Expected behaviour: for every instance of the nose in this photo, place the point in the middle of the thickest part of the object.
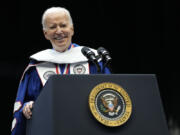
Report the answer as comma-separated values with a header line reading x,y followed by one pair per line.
x,y
58,30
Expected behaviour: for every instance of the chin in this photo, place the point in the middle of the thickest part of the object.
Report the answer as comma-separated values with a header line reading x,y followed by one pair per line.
x,y
62,44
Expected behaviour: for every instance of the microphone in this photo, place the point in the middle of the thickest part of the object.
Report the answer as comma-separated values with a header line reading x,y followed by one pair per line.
x,y
91,57
104,54
105,57
88,53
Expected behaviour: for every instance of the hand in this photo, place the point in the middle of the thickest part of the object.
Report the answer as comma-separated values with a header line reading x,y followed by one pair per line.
x,y
27,110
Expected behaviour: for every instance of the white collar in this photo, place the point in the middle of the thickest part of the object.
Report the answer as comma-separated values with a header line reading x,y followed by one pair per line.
x,y
73,55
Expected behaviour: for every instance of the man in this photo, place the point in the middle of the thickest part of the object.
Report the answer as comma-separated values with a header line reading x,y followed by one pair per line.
x,y
64,58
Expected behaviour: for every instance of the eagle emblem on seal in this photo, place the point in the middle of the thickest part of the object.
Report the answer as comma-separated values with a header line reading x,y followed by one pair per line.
x,y
110,104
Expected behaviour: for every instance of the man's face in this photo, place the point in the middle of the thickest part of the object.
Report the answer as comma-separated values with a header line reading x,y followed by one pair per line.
x,y
59,31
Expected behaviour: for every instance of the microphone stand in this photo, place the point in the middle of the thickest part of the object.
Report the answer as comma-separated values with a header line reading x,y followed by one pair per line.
x,y
107,64
98,67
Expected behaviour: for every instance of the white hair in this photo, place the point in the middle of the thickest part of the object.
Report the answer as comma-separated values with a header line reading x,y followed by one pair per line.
x,y
55,10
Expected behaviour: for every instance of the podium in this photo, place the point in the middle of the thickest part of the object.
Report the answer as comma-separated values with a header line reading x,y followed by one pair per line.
x,y
62,107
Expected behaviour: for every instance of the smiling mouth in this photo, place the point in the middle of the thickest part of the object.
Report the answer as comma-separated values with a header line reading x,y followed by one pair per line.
x,y
59,38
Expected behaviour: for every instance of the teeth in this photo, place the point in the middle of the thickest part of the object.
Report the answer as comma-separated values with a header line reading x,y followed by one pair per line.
x,y
59,38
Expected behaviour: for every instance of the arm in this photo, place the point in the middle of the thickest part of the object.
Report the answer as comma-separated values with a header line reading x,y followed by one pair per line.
x,y
29,89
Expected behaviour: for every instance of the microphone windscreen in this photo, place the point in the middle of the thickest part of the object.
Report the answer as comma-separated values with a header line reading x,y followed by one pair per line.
x,y
87,52
102,51
84,50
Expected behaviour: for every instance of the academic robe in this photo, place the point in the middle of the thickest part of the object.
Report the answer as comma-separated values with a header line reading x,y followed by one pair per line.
x,y
31,85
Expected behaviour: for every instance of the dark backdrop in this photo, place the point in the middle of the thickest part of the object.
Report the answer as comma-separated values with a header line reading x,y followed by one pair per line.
x,y
142,37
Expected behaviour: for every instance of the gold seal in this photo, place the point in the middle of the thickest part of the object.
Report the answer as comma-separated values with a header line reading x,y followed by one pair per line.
x,y
110,104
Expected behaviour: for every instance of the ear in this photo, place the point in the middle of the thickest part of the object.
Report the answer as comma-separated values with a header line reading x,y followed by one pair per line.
x,y
72,29
45,34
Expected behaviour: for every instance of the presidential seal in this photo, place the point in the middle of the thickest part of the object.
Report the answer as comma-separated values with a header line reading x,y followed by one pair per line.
x,y
110,104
